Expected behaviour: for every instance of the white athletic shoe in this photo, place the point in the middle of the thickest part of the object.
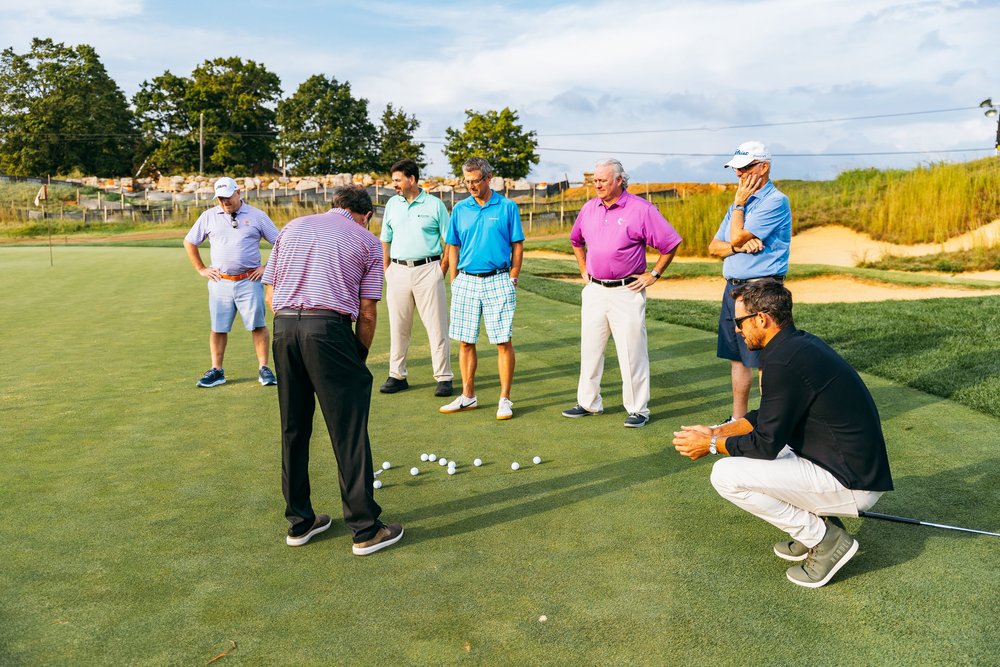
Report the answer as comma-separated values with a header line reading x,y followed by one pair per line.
x,y
505,410
459,404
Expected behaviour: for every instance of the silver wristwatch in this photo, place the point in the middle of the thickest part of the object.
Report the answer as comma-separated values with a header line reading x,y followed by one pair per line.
x,y
712,449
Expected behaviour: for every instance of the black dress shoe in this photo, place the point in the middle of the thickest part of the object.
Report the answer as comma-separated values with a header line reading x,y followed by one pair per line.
x,y
444,388
392,385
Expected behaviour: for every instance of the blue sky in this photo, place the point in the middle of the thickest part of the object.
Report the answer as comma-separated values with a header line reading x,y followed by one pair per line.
x,y
651,83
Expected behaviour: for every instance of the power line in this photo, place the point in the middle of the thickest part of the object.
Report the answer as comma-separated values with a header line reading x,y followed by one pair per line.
x,y
753,125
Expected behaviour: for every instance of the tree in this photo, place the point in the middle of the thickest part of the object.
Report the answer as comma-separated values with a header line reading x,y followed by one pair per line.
x,y
325,130
60,112
395,139
496,136
237,99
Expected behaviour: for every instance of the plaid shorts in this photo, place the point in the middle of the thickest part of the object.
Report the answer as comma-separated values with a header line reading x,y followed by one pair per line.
x,y
492,297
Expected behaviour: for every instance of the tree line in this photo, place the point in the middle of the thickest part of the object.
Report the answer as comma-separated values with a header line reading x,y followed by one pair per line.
x,y
61,113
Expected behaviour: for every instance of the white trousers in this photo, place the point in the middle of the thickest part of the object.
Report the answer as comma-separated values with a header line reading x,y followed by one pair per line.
x,y
422,287
790,493
621,313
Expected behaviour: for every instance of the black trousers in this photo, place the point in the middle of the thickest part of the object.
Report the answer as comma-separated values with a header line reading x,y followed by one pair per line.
x,y
320,357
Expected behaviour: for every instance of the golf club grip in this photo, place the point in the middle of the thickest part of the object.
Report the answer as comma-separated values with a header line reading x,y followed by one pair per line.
x,y
889,517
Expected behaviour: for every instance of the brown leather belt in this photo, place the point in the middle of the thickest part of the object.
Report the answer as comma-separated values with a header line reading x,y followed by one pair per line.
x,y
242,276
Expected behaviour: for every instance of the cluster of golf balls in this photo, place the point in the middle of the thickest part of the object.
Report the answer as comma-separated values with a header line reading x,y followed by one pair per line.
x,y
451,465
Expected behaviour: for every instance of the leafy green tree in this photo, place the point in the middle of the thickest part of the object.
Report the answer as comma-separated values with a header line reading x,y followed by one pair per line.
x,y
326,130
238,101
395,139
60,112
496,136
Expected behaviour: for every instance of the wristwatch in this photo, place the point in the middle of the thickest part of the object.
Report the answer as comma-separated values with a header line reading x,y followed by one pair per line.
x,y
712,449
655,274
739,207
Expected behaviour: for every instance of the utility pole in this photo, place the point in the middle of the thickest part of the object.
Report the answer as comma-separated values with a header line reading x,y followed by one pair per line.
x,y
201,144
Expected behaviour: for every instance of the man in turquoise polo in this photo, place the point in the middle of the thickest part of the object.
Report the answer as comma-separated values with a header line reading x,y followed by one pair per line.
x,y
415,262
753,241
486,244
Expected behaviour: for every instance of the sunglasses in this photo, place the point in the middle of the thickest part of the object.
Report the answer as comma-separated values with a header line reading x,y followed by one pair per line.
x,y
740,320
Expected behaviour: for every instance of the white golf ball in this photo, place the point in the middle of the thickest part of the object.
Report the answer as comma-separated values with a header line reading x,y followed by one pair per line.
x,y
432,457
386,466
377,484
414,471
536,460
442,461
424,457
477,462
515,465
452,464
451,471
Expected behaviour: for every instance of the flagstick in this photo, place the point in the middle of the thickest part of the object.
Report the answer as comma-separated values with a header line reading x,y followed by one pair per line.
x,y
51,262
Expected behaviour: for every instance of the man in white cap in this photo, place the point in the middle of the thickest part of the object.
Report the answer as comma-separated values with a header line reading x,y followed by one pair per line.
x,y
234,229
753,242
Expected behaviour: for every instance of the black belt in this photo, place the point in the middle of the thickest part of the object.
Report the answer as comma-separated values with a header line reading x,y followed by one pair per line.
x,y
417,262
486,275
299,314
744,281
614,283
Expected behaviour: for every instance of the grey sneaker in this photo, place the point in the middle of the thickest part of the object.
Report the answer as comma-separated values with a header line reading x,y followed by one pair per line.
x,y
266,377
794,550
385,537
321,523
825,559
578,411
791,550
635,420
213,377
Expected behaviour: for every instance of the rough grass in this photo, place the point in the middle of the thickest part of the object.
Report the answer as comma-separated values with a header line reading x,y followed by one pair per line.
x,y
142,518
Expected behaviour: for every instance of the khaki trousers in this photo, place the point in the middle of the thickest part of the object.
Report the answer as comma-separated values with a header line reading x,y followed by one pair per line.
x,y
621,313
421,287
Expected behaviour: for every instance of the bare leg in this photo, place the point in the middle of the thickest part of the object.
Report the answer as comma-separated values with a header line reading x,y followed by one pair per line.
x,y
217,345
742,376
261,341
468,361
505,365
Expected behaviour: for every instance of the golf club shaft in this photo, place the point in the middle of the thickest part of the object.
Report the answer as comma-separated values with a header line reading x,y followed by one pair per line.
x,y
903,519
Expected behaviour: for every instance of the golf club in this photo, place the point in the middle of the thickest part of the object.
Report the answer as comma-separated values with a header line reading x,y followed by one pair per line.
x,y
903,519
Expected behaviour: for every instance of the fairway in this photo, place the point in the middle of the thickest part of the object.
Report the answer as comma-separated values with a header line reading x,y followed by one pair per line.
x,y
142,518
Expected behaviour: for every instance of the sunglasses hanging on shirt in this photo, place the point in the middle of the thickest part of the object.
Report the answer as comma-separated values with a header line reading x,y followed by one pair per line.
x,y
233,214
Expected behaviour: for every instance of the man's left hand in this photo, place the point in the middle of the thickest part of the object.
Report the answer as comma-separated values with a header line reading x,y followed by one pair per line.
x,y
692,441
256,274
642,281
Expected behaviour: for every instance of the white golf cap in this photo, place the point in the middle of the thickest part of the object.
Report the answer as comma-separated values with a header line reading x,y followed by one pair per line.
x,y
225,187
749,151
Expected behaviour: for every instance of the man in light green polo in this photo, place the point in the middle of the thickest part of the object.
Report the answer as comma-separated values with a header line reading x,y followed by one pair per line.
x,y
416,261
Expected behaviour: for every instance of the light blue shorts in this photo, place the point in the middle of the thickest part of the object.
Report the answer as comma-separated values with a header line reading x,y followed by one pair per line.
x,y
225,297
493,298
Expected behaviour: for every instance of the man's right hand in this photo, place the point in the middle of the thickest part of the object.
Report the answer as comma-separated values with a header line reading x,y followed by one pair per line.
x,y
751,247
211,273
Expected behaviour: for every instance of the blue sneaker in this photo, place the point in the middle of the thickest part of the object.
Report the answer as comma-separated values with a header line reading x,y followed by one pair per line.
x,y
213,377
266,377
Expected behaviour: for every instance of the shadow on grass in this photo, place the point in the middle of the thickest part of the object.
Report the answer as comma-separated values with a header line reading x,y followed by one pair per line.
x,y
950,497
553,493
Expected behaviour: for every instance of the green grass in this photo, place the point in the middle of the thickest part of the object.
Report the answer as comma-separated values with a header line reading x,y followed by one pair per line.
x,y
142,518
977,259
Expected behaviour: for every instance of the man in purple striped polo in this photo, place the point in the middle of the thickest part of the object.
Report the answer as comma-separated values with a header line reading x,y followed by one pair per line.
x,y
234,230
325,273
609,240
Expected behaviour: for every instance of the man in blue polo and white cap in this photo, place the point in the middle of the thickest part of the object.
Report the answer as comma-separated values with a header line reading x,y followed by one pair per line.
x,y
234,230
753,241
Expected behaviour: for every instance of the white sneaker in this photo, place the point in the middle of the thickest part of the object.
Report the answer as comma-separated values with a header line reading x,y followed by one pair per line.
x,y
505,410
459,404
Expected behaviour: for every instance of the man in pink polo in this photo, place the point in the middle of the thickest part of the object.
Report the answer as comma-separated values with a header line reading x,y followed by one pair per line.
x,y
609,240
